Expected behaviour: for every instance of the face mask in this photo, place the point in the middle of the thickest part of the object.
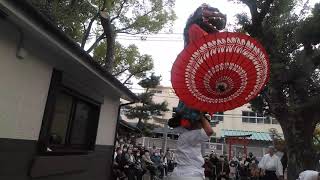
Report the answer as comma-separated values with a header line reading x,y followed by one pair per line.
x,y
138,154
124,150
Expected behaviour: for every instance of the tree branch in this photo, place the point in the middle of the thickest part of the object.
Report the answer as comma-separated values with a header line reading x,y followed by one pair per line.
x,y
87,32
122,71
102,36
108,30
128,78
131,75
252,6
265,9
119,11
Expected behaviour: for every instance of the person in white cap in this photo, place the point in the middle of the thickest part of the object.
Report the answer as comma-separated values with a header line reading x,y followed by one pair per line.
x,y
271,166
309,175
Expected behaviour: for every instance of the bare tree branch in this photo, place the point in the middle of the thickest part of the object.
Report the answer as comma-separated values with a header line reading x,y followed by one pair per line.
x,y
265,9
119,11
108,30
87,32
131,75
128,78
120,72
102,36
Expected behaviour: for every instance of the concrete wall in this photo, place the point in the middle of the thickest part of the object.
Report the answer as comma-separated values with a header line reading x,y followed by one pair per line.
x,y
23,90
108,121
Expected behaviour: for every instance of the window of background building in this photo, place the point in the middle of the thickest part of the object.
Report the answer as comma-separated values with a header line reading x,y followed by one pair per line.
x,y
274,121
249,117
267,120
252,117
260,118
218,116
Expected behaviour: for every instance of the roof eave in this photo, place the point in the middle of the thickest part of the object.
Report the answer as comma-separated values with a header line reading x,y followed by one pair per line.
x,y
28,14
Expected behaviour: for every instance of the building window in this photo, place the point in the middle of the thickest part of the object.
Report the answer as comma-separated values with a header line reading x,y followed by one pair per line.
x,y
252,117
249,117
218,116
274,121
267,120
70,121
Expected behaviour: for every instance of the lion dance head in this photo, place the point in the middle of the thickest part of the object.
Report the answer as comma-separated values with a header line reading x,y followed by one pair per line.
x,y
208,18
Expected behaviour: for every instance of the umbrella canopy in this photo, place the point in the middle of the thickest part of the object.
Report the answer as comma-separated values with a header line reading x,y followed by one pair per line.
x,y
220,71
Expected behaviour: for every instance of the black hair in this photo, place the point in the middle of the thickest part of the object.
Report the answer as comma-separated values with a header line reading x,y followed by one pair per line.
x,y
175,121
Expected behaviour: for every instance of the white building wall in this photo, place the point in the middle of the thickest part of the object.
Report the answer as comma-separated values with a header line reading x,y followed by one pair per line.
x,y
108,120
23,90
232,119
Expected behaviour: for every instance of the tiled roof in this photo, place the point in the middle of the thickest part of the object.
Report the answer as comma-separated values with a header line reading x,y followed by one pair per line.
x,y
259,136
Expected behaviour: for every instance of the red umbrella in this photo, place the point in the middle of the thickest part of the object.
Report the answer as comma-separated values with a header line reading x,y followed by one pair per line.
x,y
220,71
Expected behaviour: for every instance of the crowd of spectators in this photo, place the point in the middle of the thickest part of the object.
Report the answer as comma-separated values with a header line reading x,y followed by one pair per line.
x,y
132,162
218,167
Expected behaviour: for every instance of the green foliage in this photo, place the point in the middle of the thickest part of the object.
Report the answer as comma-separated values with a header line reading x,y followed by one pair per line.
x,y
150,82
293,69
292,95
69,15
147,107
316,138
81,20
128,61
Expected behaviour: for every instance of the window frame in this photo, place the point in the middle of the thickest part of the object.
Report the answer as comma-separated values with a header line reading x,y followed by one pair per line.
x,y
55,88
246,116
218,116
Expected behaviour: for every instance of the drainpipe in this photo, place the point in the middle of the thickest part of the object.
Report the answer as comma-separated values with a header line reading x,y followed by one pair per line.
x,y
115,134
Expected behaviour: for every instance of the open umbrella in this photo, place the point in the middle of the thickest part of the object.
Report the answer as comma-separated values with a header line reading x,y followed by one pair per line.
x,y
220,71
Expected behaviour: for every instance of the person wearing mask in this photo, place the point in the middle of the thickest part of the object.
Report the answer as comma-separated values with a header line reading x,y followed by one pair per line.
x,y
271,166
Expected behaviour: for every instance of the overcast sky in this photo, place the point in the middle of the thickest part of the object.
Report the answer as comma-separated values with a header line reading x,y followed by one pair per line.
x,y
164,48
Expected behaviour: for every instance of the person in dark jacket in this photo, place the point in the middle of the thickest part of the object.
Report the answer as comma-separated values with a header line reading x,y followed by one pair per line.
x,y
156,159
139,171
284,161
223,168
129,165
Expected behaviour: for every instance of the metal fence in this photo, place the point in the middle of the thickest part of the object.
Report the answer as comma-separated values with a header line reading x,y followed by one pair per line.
x,y
208,147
